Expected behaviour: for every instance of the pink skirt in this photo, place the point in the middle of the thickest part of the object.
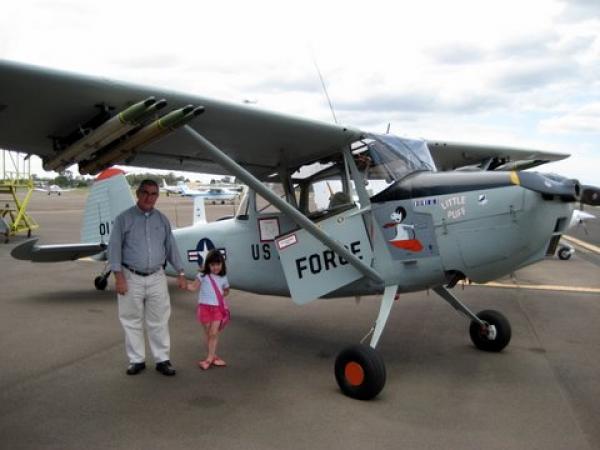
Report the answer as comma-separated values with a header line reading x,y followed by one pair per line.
x,y
208,313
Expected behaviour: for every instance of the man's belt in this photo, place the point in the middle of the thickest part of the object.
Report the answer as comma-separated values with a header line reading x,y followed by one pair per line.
x,y
137,272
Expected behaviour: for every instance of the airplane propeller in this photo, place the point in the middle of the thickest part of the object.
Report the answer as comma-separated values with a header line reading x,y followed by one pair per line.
x,y
590,195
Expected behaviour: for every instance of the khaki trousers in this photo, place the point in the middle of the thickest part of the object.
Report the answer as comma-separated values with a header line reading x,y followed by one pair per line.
x,y
147,300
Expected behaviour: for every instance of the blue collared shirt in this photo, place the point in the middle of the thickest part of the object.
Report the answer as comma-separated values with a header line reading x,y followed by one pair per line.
x,y
143,241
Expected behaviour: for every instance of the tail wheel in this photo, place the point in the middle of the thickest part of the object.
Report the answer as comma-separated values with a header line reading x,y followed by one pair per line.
x,y
496,333
360,372
100,282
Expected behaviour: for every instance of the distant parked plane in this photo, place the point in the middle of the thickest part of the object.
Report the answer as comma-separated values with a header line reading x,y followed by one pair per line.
x,y
212,195
178,189
53,189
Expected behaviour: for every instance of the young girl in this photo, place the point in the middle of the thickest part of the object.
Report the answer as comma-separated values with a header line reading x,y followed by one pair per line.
x,y
213,283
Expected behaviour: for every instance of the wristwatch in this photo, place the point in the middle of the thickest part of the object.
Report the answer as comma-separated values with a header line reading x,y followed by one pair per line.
x,y
182,273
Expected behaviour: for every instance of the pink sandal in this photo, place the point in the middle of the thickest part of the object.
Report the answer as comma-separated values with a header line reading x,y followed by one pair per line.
x,y
218,362
205,364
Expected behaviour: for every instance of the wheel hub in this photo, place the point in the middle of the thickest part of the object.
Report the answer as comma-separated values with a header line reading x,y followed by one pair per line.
x,y
489,331
354,373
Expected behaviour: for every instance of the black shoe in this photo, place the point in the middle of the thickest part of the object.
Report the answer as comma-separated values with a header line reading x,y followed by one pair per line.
x,y
165,368
135,368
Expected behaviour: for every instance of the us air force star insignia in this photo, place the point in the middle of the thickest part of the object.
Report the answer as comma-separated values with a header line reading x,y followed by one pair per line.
x,y
204,246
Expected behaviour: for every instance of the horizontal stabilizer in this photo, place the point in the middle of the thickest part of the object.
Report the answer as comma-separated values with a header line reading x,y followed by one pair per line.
x,y
30,251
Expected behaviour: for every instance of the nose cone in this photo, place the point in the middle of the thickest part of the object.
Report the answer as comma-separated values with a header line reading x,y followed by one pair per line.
x,y
590,195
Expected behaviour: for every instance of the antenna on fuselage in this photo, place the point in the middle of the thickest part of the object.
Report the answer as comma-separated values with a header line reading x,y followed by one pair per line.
x,y
314,58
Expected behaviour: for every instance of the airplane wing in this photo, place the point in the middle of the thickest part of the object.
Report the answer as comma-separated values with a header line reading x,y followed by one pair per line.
x,y
40,106
31,251
453,155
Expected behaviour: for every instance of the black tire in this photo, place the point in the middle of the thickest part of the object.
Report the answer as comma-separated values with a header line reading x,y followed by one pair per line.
x,y
100,282
564,253
360,372
479,334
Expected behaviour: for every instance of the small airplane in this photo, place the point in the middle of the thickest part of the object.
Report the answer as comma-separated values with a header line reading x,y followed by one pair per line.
x,y
52,189
212,195
176,190
406,218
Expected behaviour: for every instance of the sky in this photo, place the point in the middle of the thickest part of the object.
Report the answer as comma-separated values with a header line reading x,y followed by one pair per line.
x,y
513,73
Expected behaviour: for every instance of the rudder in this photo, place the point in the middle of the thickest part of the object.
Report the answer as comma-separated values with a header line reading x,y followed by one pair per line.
x,y
110,195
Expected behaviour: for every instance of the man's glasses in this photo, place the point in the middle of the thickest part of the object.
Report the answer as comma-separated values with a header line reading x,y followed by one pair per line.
x,y
148,193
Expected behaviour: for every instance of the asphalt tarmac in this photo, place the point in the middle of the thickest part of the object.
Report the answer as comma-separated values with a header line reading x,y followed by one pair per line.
x,y
63,382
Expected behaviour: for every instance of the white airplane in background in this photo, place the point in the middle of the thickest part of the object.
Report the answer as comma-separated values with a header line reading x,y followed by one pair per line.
x,y
52,189
232,187
177,189
211,195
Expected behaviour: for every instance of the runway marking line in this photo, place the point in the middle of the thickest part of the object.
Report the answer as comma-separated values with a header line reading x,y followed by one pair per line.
x,y
581,243
541,287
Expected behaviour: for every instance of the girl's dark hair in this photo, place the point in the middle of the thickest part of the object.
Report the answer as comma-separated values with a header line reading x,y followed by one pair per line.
x,y
214,256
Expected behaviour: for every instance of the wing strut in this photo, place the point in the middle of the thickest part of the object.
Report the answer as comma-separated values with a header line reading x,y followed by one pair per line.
x,y
300,219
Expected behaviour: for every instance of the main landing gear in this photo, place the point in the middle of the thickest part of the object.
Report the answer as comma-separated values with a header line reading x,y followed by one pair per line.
x,y
360,370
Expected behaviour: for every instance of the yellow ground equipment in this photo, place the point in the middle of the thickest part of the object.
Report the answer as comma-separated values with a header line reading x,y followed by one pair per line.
x,y
16,175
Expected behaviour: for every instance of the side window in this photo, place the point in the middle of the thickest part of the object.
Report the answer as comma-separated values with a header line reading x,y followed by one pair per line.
x,y
327,194
265,207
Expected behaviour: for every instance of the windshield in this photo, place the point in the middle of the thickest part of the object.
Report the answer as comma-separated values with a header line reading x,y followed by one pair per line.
x,y
390,158
385,159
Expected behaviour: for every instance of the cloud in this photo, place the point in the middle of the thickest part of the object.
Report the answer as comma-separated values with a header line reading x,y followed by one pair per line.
x,y
575,45
286,83
584,120
458,53
579,10
161,61
424,102
536,75
533,45
385,102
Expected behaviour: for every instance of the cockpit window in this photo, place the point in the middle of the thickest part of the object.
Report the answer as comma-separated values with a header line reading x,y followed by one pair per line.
x,y
384,159
263,206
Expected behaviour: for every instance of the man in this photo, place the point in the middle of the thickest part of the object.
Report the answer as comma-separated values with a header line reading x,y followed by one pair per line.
x,y
141,242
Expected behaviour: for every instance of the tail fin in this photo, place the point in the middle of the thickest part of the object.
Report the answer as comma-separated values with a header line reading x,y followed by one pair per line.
x,y
199,210
183,189
110,195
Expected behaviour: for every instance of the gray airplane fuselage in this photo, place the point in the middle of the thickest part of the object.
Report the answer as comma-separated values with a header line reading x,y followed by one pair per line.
x,y
481,230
